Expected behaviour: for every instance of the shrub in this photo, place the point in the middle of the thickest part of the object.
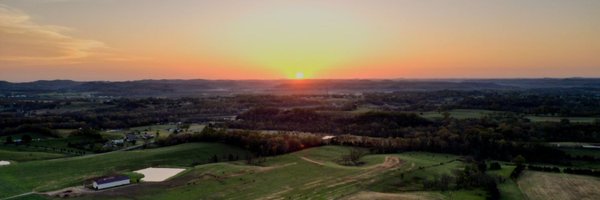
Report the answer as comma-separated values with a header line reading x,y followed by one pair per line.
x,y
495,166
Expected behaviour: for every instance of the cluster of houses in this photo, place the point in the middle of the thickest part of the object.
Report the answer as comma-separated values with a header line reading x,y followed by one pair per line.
x,y
130,138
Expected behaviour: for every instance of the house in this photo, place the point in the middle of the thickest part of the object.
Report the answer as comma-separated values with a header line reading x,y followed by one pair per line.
x,y
130,137
328,137
148,136
117,142
114,143
110,181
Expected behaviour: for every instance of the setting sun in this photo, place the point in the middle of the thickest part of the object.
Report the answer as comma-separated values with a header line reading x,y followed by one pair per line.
x,y
299,75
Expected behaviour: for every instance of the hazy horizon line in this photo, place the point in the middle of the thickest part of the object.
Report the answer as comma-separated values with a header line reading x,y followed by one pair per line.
x,y
309,79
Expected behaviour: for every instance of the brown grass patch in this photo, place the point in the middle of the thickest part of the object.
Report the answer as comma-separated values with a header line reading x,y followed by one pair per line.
x,y
547,186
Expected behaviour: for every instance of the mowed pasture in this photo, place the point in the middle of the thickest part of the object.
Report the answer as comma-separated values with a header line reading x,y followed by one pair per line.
x,y
22,156
55,174
308,174
548,186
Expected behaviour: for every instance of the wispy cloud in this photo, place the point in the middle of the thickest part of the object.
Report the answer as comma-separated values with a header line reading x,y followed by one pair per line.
x,y
24,41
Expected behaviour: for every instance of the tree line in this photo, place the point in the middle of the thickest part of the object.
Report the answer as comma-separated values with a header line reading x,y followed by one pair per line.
x,y
262,144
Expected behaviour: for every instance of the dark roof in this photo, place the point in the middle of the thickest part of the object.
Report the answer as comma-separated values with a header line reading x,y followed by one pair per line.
x,y
131,136
110,179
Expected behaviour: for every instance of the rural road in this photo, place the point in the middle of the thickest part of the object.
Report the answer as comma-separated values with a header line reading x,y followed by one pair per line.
x,y
20,195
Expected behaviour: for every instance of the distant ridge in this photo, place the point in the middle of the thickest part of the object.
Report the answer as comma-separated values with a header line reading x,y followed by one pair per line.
x,y
174,87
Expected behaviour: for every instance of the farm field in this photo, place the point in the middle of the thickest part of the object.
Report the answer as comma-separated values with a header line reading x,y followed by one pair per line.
x,y
74,107
582,152
44,143
575,149
558,119
476,113
44,175
547,186
459,114
312,173
21,156
509,188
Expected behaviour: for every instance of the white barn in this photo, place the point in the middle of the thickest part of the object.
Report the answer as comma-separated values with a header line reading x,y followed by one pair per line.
x,y
111,181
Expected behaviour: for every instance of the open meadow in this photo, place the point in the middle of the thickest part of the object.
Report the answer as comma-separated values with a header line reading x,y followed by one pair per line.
x,y
311,173
46,175
20,156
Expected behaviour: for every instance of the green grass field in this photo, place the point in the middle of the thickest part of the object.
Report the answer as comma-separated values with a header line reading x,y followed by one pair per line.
x,y
582,152
476,113
575,149
43,143
22,156
509,189
557,119
60,173
74,107
418,166
459,114
312,173
34,136
309,174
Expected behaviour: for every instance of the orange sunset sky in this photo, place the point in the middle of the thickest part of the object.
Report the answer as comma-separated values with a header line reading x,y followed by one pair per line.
x,y
262,39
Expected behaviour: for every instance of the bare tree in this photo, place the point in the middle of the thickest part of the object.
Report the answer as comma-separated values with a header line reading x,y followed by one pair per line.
x,y
353,157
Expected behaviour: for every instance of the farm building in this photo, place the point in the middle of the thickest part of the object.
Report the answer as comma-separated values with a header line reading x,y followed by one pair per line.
x,y
130,137
590,147
111,181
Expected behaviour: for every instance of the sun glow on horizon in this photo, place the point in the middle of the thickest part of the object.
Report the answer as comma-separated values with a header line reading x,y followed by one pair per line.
x,y
299,75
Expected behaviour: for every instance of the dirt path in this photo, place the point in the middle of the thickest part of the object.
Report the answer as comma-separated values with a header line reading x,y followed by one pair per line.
x,y
268,168
19,195
340,183
276,195
389,163
69,192
312,161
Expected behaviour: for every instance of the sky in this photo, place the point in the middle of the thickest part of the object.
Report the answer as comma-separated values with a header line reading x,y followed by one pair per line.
x,y
320,39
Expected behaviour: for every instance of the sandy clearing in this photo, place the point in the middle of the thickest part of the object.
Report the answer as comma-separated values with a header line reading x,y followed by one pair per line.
x,y
4,162
152,174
